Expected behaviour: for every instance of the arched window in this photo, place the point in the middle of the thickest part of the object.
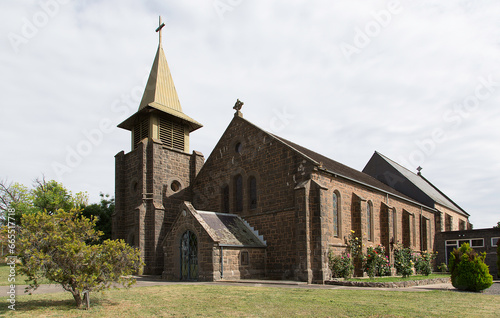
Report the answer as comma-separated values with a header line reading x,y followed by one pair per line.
x,y
335,207
238,193
252,193
394,225
131,239
369,221
225,198
189,256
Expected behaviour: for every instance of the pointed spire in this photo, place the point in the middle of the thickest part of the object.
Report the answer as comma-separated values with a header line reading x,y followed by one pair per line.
x,y
160,93
160,89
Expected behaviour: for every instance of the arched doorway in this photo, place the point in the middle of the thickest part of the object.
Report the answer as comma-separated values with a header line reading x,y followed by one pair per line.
x,y
189,256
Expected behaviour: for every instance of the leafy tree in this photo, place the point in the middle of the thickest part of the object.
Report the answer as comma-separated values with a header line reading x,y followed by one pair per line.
x,y
497,226
102,212
468,270
15,196
45,195
52,196
55,246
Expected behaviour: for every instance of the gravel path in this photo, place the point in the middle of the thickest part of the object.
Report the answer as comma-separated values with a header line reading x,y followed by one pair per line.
x,y
494,289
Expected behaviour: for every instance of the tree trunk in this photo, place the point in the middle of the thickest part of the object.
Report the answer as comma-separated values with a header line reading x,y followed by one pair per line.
x,y
77,297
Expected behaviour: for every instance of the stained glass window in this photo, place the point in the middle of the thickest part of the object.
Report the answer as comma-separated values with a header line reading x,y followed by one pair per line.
x,y
189,256
335,207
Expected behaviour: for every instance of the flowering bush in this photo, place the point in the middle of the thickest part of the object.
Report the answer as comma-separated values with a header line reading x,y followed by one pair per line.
x,y
354,246
403,260
341,265
423,262
376,263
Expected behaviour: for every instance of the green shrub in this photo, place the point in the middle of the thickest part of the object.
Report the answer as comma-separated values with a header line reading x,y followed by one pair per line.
x,y
443,268
468,270
423,262
341,265
376,263
403,260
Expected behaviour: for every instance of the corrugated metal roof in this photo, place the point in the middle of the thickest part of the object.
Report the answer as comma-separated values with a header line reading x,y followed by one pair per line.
x,y
423,184
342,170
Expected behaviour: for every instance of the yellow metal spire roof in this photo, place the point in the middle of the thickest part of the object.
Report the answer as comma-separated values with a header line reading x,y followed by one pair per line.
x,y
160,88
160,93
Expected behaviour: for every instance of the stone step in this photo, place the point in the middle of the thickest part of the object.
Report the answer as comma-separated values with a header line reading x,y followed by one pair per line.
x,y
254,231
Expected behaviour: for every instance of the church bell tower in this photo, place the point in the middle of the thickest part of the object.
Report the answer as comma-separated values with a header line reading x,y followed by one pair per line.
x,y
155,176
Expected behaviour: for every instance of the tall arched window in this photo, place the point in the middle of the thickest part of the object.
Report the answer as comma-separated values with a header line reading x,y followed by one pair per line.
x,y
252,193
335,207
369,221
238,193
225,198
394,225
189,256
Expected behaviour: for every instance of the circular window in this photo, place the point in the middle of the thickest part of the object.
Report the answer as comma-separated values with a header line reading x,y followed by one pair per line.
x,y
175,186
238,147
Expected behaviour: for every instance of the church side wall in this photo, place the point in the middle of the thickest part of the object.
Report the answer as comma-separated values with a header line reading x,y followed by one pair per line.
x,y
411,225
452,220
247,151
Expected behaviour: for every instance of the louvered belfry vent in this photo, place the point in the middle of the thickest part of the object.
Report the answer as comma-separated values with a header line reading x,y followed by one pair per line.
x,y
141,131
172,134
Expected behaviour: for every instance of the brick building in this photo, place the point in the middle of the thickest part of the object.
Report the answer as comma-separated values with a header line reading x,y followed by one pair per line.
x,y
260,206
481,240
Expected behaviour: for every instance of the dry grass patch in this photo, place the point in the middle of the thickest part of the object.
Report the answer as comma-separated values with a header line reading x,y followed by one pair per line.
x,y
227,301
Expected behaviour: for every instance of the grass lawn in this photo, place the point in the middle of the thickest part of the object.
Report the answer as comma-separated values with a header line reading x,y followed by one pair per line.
x,y
228,301
20,279
390,279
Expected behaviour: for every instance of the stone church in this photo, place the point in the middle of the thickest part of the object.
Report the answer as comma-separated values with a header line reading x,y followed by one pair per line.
x,y
259,206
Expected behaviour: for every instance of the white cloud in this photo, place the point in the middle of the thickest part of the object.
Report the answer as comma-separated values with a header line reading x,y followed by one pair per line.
x,y
390,96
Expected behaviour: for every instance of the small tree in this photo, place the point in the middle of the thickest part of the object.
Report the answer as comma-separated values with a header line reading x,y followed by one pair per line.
x,y
55,246
468,270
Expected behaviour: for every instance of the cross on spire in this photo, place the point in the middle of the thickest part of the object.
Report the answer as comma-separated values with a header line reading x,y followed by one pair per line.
x,y
158,29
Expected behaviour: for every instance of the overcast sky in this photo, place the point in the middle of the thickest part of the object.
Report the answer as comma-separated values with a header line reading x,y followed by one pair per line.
x,y
418,81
